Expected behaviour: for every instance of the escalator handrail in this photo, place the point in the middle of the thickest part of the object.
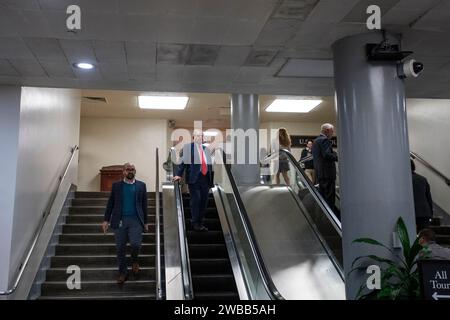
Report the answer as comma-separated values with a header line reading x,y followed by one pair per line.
x,y
184,249
159,293
320,200
268,283
425,163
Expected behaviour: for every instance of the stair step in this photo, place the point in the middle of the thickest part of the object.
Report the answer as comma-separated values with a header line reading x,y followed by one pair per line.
x,y
50,288
94,228
103,296
205,237
216,295
102,202
97,274
98,261
211,224
99,248
208,251
211,282
210,266
100,210
100,238
99,218
103,194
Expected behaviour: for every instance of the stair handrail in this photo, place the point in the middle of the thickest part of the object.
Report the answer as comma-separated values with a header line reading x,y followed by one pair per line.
x,y
425,163
159,293
268,283
184,248
40,227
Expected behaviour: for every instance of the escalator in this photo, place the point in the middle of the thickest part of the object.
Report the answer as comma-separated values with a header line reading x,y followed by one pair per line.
x,y
211,272
264,242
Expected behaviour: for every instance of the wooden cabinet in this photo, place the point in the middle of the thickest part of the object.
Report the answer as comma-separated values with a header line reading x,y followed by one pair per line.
x,y
109,175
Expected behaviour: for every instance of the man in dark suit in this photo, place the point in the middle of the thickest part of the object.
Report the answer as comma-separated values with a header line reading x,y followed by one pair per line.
x,y
324,164
423,203
196,161
126,213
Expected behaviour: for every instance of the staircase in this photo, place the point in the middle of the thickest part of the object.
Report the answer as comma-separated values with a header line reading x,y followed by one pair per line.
x,y
211,271
82,243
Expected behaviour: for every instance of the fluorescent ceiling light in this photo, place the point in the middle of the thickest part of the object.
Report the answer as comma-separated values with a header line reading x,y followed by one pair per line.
x,y
293,105
84,65
210,133
163,102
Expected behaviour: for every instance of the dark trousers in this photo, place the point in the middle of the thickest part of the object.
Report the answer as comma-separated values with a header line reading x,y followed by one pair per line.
x,y
199,199
327,189
131,229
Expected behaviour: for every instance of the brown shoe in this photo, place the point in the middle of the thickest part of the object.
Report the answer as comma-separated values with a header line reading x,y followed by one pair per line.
x,y
121,278
135,268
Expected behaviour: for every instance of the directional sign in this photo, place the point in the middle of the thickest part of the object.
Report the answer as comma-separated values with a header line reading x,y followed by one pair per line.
x,y
435,281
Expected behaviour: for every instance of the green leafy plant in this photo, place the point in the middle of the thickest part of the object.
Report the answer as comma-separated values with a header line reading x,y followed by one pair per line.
x,y
399,277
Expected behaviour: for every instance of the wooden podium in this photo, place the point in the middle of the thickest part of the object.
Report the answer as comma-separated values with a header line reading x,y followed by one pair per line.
x,y
109,175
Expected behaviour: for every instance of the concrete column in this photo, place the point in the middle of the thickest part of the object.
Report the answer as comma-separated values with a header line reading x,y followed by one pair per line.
x,y
245,139
375,174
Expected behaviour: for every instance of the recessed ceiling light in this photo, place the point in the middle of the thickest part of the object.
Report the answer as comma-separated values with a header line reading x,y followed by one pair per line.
x,y
163,102
84,65
293,105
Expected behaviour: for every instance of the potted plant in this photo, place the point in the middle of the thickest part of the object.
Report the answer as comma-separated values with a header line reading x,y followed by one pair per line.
x,y
399,277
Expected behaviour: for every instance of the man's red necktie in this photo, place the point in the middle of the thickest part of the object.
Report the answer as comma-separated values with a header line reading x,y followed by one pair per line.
x,y
202,157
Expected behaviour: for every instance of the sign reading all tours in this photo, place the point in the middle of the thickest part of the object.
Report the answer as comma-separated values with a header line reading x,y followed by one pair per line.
x,y
434,275
301,141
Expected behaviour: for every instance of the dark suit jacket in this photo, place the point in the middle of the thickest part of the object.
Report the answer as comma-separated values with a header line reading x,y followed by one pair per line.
x,y
113,212
308,164
324,158
423,203
190,161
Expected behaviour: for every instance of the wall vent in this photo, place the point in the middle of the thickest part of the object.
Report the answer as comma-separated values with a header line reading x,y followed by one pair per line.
x,y
97,99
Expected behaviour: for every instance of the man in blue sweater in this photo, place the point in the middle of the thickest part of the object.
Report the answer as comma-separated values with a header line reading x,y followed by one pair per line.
x,y
126,213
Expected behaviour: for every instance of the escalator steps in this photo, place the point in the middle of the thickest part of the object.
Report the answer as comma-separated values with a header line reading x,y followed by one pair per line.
x,y
211,271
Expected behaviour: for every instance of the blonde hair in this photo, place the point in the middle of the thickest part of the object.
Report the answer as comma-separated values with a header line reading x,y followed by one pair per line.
x,y
284,138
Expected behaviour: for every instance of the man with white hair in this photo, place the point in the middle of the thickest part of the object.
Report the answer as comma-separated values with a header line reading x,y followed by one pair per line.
x,y
196,161
324,163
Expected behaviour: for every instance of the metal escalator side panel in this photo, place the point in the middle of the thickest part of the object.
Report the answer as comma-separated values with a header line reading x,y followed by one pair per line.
x,y
175,275
298,263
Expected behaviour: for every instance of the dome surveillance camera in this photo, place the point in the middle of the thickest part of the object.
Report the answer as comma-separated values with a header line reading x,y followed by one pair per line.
x,y
410,69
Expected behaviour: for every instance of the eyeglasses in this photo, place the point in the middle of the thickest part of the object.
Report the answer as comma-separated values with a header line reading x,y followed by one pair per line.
x,y
131,170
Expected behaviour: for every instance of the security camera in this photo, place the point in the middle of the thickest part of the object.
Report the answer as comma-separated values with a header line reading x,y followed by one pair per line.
x,y
410,69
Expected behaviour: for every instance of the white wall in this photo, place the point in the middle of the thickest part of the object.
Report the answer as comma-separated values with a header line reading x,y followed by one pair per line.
x,y
49,127
9,139
429,137
112,141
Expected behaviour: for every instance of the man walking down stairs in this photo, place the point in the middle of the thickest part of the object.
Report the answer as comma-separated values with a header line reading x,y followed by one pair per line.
x,y
83,244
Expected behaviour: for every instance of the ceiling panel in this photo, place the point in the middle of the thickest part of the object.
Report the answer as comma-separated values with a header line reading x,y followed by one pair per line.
x,y
172,53
291,9
175,28
139,27
57,69
109,50
46,49
14,47
243,32
232,56
277,32
307,68
331,11
209,30
20,4
60,5
140,52
78,50
202,54
113,70
436,19
140,7
28,67
6,68
358,13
